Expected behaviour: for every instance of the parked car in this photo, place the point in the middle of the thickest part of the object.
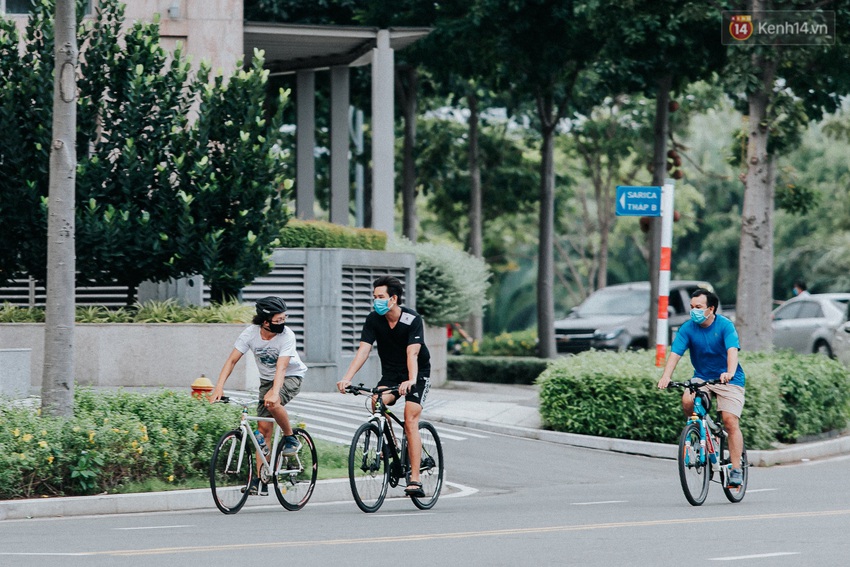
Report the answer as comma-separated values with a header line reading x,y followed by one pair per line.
x,y
617,317
807,324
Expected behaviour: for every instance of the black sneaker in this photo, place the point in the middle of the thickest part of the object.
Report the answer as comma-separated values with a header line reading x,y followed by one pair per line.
x,y
264,489
253,488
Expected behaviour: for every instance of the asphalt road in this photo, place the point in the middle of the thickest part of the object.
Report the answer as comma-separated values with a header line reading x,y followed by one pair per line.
x,y
514,502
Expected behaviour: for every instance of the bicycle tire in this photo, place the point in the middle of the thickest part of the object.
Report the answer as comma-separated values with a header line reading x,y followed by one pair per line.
x,y
733,494
295,476
229,479
431,467
368,471
694,473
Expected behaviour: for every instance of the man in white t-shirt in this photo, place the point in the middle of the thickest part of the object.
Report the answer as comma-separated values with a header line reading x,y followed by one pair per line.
x,y
281,371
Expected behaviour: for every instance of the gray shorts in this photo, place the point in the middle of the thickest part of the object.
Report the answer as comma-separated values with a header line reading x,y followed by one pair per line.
x,y
291,387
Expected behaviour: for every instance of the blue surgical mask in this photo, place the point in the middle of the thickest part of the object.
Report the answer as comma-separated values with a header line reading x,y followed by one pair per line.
x,y
381,306
698,316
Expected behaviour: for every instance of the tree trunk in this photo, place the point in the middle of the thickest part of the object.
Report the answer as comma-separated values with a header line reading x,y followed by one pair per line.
x,y
57,393
545,254
476,246
755,260
659,173
406,86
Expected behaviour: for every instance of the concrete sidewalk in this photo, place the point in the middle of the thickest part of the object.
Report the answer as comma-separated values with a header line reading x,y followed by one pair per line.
x,y
497,408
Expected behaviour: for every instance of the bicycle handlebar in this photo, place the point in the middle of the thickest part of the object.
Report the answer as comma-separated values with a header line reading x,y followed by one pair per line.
x,y
360,389
694,386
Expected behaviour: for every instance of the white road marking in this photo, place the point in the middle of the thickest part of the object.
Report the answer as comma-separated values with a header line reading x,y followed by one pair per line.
x,y
157,527
758,556
762,490
600,502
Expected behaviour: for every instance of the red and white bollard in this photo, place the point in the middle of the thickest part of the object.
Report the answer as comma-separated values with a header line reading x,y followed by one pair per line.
x,y
664,272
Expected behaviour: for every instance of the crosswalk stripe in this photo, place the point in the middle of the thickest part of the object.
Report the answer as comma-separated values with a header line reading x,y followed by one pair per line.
x,y
337,423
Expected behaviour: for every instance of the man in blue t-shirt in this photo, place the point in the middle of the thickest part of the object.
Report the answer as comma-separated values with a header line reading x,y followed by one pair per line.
x,y
713,344
405,362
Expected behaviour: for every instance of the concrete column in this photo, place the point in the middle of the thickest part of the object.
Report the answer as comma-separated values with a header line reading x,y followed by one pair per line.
x,y
340,178
383,159
305,144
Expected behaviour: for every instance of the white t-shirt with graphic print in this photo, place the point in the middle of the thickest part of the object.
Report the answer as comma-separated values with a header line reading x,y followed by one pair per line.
x,y
266,353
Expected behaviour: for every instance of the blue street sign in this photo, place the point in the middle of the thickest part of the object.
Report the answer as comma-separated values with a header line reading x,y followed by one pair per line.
x,y
638,201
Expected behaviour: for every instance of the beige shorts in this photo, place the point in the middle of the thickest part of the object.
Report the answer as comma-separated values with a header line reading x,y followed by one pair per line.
x,y
729,398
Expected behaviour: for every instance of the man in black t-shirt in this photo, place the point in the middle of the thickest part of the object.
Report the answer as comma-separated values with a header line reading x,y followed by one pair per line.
x,y
405,362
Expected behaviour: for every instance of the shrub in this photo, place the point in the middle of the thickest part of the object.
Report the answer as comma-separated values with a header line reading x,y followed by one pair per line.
x,y
168,311
320,234
518,343
614,395
451,285
112,439
815,394
495,369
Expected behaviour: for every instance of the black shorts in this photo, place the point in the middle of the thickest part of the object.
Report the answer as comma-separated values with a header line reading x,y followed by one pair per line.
x,y
419,392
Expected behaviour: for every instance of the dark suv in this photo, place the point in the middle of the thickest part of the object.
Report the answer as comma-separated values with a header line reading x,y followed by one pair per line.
x,y
617,317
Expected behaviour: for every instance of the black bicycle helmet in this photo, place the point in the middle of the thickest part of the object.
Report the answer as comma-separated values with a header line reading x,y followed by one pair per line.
x,y
269,306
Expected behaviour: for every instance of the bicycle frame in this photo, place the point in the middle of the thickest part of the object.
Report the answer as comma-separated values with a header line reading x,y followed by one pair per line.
x,y
708,449
383,418
264,461
698,465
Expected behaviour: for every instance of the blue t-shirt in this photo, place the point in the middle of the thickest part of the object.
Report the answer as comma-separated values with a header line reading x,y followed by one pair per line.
x,y
708,346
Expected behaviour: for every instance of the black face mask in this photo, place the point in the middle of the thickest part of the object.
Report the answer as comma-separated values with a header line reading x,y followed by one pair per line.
x,y
276,329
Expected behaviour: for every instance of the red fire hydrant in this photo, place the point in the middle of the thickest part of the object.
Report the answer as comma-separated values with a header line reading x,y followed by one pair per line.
x,y
202,387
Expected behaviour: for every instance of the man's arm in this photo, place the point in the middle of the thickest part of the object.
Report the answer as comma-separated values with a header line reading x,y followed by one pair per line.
x,y
412,369
272,397
672,361
731,365
356,364
226,370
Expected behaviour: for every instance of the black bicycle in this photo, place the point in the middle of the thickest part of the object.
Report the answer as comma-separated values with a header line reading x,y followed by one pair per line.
x,y
377,459
704,450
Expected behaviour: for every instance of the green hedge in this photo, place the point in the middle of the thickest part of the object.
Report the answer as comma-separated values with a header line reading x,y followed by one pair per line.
x,y
320,234
517,343
112,439
168,311
495,369
614,395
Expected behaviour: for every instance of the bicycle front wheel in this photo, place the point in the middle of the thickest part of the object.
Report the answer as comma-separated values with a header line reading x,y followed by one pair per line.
x,y
694,472
231,470
295,476
430,467
733,493
367,468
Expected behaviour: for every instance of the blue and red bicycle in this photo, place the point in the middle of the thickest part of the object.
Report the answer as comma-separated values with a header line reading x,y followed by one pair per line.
x,y
704,450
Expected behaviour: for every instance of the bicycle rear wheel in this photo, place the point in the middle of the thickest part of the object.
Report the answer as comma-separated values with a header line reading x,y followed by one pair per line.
x,y
430,468
733,493
295,476
694,473
229,478
368,473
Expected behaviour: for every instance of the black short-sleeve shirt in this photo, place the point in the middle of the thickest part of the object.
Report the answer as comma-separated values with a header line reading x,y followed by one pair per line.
x,y
393,343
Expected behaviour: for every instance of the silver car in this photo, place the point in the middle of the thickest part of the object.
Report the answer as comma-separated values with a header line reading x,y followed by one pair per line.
x,y
807,324
617,317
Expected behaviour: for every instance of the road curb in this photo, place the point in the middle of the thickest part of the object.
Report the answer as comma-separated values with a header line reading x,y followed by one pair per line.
x,y
759,458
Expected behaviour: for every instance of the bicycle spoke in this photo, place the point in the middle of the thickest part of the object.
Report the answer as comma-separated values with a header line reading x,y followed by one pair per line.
x,y
367,469
230,476
694,469
430,467
295,476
